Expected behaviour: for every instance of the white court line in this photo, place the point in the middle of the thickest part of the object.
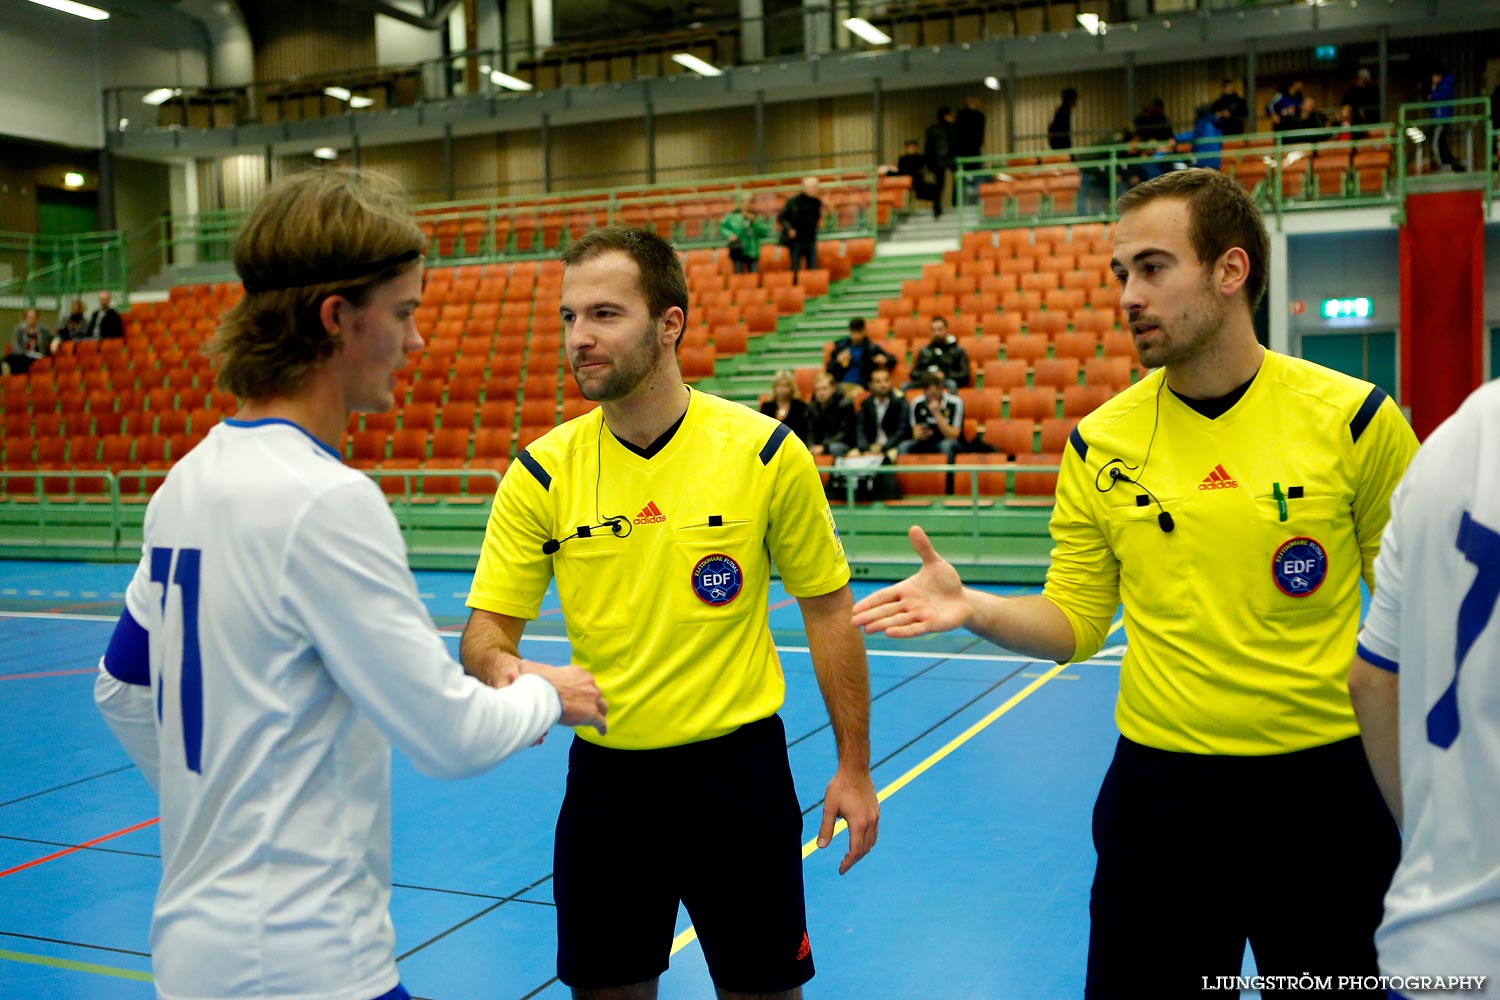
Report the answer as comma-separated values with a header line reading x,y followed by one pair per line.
x,y
59,616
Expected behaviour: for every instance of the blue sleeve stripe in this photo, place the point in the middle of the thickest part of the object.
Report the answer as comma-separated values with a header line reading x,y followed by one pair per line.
x,y
1367,411
535,468
772,446
1375,660
128,658
1079,444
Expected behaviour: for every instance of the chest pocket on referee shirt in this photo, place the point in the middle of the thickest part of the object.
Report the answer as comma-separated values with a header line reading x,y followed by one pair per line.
x,y
1309,559
580,566
1151,561
713,567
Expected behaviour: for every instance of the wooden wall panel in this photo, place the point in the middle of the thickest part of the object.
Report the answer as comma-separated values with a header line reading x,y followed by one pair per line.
x,y
598,155
297,38
704,145
242,179
416,166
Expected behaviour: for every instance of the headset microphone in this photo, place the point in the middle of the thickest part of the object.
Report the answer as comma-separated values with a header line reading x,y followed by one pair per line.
x,y
1163,519
617,525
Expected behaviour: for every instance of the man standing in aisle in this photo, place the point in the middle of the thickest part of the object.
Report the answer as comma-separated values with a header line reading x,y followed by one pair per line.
x,y
1231,501
800,218
658,515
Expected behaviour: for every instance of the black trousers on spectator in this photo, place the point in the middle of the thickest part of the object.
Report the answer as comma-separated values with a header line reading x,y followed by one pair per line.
x,y
1199,854
804,251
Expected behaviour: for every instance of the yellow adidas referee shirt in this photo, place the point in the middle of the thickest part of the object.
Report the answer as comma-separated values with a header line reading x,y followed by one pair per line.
x,y
1241,619
670,615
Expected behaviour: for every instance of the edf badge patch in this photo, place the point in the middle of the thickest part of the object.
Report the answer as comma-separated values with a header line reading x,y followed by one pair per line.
x,y
1299,566
717,579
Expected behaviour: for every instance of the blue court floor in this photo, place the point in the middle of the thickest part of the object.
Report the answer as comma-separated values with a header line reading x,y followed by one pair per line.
x,y
977,890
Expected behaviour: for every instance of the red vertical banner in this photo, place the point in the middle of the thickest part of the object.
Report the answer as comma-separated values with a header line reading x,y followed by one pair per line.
x,y
1442,304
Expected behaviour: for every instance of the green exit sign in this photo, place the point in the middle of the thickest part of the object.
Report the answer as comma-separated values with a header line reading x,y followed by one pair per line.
x,y
1347,308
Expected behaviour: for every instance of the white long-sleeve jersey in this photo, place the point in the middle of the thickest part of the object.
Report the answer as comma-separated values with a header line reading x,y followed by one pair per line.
x,y
1434,620
278,627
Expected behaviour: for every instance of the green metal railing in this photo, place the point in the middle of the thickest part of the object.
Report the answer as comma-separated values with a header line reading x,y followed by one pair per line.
x,y
63,267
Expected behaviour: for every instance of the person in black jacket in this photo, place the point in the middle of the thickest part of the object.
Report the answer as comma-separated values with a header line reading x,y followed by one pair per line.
x,y
939,152
1060,129
1230,109
785,405
104,323
799,220
830,419
855,358
942,355
968,140
884,420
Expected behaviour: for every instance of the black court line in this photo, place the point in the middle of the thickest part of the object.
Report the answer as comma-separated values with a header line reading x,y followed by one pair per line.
x,y
512,898
540,988
101,850
76,944
942,658
70,784
475,895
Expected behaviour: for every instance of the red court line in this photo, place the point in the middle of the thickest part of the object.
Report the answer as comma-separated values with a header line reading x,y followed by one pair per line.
x,y
48,673
782,604
72,850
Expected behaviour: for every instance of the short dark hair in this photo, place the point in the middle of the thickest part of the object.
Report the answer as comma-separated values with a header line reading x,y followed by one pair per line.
x,y
1221,216
1069,94
944,111
930,379
663,282
939,319
857,324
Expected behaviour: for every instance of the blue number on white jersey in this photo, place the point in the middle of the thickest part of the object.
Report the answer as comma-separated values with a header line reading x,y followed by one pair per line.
x,y
1480,546
185,576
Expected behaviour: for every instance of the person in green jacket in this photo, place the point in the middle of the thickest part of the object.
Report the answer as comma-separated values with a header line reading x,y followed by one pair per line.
x,y
744,229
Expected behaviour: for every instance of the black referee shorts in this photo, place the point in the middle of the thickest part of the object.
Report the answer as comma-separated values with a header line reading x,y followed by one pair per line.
x,y
1199,854
714,825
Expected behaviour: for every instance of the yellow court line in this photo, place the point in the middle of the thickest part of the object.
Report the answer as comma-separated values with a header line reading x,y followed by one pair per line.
x,y
63,963
686,937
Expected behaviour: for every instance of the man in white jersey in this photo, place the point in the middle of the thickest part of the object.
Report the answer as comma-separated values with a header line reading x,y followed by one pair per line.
x,y
1426,689
273,646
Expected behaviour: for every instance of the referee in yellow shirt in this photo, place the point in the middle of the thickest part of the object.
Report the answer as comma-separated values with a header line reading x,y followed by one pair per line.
x,y
1231,501
659,515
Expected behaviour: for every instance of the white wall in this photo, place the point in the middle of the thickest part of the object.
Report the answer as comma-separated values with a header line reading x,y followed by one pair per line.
x,y
56,66
399,42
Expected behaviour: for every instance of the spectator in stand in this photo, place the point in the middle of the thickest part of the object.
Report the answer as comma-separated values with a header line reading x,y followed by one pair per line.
x,y
30,341
104,323
1361,102
855,359
1287,101
968,140
1310,117
1205,138
937,421
1060,129
1231,109
785,405
939,151
70,322
745,230
1152,124
884,420
942,355
830,419
1444,88
799,221
914,165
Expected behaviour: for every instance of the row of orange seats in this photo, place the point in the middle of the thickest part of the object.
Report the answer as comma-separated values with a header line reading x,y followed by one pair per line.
x,y
933,482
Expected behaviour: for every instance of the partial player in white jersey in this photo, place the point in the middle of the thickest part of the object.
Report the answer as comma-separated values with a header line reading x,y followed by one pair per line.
x,y
273,646
1426,687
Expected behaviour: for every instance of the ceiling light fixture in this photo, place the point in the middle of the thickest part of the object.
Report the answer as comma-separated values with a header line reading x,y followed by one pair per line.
x,y
864,29
76,9
161,95
326,153
507,81
689,61
992,82
1092,23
